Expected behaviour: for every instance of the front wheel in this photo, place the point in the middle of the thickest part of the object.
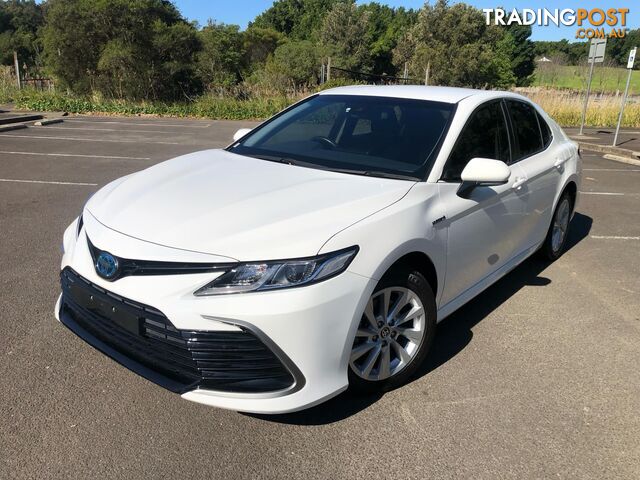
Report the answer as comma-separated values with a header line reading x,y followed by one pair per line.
x,y
395,333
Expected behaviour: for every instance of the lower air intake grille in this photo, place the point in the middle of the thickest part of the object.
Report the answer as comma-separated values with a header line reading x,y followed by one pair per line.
x,y
144,340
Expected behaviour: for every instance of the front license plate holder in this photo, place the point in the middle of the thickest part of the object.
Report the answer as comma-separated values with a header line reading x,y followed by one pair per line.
x,y
107,309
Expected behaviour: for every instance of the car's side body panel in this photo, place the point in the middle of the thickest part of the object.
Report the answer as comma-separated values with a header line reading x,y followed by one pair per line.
x,y
482,237
477,243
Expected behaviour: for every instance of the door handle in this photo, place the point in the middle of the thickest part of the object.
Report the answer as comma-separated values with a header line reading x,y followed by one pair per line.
x,y
519,182
560,162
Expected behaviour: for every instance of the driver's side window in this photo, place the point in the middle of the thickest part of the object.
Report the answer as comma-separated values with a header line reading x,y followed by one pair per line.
x,y
485,135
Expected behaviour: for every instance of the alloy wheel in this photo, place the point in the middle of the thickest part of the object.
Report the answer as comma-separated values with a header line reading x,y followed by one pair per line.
x,y
560,225
389,335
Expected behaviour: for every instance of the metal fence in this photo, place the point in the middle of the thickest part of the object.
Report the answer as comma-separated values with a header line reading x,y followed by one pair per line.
x,y
330,72
38,84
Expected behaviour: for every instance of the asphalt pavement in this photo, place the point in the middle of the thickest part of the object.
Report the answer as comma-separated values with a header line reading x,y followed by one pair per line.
x,y
628,138
539,377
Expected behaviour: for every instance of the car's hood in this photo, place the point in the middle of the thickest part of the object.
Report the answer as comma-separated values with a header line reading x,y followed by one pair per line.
x,y
240,207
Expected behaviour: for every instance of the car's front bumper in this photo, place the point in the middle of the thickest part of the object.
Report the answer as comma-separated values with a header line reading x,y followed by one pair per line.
x,y
309,331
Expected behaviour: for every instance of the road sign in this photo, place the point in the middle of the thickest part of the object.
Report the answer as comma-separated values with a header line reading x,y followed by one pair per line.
x,y
596,50
632,57
596,55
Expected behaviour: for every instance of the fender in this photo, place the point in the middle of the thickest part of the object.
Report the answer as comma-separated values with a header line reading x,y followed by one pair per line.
x,y
412,219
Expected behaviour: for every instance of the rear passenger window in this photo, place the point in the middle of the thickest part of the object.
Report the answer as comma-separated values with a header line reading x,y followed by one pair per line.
x,y
525,129
545,130
485,136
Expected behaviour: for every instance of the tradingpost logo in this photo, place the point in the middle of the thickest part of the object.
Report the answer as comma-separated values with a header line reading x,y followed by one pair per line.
x,y
592,23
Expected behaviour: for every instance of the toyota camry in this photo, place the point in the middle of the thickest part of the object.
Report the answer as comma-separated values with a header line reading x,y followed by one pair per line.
x,y
319,250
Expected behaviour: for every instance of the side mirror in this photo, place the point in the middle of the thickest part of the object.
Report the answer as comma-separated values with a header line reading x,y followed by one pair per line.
x,y
240,133
483,172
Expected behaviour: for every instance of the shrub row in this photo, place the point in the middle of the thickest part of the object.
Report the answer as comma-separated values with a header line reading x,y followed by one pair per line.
x,y
206,106
564,107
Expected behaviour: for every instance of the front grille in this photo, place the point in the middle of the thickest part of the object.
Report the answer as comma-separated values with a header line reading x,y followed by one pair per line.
x,y
128,267
144,340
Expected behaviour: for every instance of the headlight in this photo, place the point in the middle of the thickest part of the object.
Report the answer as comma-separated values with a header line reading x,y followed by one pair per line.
x,y
81,216
249,277
80,224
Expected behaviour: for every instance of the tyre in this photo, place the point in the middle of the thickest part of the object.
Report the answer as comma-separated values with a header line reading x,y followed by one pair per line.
x,y
395,333
556,239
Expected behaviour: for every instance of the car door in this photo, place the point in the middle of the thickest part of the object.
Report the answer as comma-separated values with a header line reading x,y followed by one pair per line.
x,y
541,164
483,226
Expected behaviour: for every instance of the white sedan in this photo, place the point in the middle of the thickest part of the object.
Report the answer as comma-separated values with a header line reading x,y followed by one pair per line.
x,y
319,250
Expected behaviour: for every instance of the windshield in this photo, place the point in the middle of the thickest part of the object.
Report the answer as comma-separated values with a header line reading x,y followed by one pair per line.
x,y
365,135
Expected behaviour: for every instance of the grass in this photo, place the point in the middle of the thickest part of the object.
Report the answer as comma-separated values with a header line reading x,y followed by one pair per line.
x,y
205,106
605,79
565,106
8,89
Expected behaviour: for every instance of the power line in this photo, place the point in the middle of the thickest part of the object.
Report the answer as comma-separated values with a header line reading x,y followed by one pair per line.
x,y
381,77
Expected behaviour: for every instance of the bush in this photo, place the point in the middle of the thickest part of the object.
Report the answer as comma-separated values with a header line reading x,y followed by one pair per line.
x,y
293,64
8,87
339,82
206,106
564,107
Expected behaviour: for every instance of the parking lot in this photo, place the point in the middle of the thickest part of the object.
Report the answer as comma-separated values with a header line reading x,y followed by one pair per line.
x,y
539,377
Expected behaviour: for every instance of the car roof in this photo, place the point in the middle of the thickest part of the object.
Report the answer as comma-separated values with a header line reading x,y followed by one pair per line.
x,y
417,92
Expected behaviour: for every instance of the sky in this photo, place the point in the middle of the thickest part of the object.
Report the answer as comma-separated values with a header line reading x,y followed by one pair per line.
x,y
241,12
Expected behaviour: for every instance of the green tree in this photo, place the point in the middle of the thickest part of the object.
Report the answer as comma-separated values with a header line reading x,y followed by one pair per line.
x,y
297,19
343,36
385,27
294,64
176,45
618,48
259,43
220,60
71,48
19,24
457,46
523,54
571,53
122,48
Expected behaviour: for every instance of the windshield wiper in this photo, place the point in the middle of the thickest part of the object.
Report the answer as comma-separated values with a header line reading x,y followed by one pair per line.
x,y
366,173
396,176
279,159
374,173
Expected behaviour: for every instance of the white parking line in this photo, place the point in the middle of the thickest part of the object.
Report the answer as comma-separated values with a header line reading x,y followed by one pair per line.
x,y
602,193
75,139
613,237
155,124
13,180
115,130
611,169
75,155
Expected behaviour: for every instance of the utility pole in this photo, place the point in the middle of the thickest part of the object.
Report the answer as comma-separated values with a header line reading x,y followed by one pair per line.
x,y
16,64
406,73
632,59
328,69
426,73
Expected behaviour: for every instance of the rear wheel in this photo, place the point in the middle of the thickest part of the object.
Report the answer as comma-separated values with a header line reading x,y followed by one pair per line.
x,y
395,333
556,240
